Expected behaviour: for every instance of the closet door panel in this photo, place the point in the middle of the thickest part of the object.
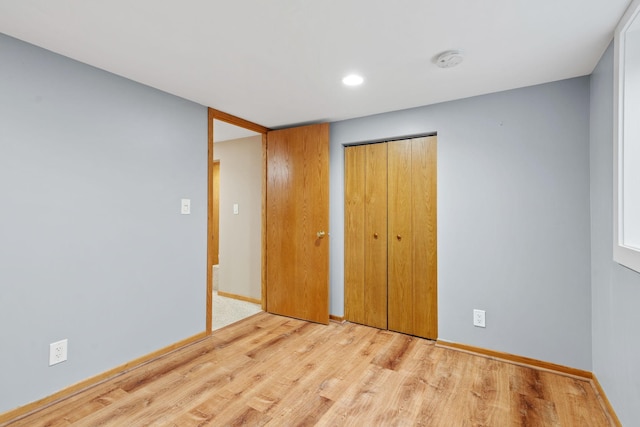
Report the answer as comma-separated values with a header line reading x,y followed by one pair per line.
x,y
375,238
424,224
354,239
400,280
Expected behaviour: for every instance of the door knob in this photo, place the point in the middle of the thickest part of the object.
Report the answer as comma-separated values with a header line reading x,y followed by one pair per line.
x,y
320,234
399,237
375,235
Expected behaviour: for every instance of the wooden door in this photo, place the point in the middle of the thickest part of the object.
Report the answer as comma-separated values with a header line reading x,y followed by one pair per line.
x,y
400,286
354,240
412,282
425,232
366,235
297,220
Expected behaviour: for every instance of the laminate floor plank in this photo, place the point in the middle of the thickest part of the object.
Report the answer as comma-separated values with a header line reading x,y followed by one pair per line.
x,y
456,387
304,402
417,369
274,371
183,397
77,406
489,394
221,354
574,400
94,405
358,404
293,388
270,356
351,363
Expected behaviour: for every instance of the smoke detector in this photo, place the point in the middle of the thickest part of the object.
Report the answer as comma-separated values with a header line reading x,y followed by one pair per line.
x,y
449,59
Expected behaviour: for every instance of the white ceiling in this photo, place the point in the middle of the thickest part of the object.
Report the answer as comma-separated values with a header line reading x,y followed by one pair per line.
x,y
281,62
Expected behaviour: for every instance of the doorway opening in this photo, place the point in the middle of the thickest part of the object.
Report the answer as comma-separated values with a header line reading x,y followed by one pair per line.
x,y
234,276
297,181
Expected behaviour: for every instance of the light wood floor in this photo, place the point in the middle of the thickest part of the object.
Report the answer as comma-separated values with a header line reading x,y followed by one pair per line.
x,y
271,370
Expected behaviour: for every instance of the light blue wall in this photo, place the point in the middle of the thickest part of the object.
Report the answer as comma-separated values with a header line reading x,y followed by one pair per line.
x,y
92,244
615,289
93,249
513,216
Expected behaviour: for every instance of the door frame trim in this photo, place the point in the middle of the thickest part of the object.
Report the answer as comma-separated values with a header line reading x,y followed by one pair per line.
x,y
214,114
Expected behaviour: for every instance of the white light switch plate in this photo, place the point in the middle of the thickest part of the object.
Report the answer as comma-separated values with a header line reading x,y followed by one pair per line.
x,y
185,206
236,210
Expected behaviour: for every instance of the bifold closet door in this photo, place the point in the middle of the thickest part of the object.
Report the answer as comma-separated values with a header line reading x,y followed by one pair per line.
x,y
412,237
354,168
366,234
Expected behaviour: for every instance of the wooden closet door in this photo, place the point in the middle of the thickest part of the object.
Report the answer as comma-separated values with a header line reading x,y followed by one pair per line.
x,y
375,294
400,264
354,246
366,235
425,232
413,237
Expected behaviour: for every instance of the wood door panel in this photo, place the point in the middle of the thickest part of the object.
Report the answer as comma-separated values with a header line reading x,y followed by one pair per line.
x,y
400,282
297,208
424,223
354,239
375,303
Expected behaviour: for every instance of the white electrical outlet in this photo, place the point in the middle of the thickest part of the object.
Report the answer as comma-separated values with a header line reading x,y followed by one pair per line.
x,y
478,318
57,352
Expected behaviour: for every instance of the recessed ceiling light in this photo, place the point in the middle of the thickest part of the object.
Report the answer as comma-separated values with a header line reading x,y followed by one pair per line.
x,y
352,80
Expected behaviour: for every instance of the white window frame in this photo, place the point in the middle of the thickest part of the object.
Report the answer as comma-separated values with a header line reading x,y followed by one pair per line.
x,y
623,254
